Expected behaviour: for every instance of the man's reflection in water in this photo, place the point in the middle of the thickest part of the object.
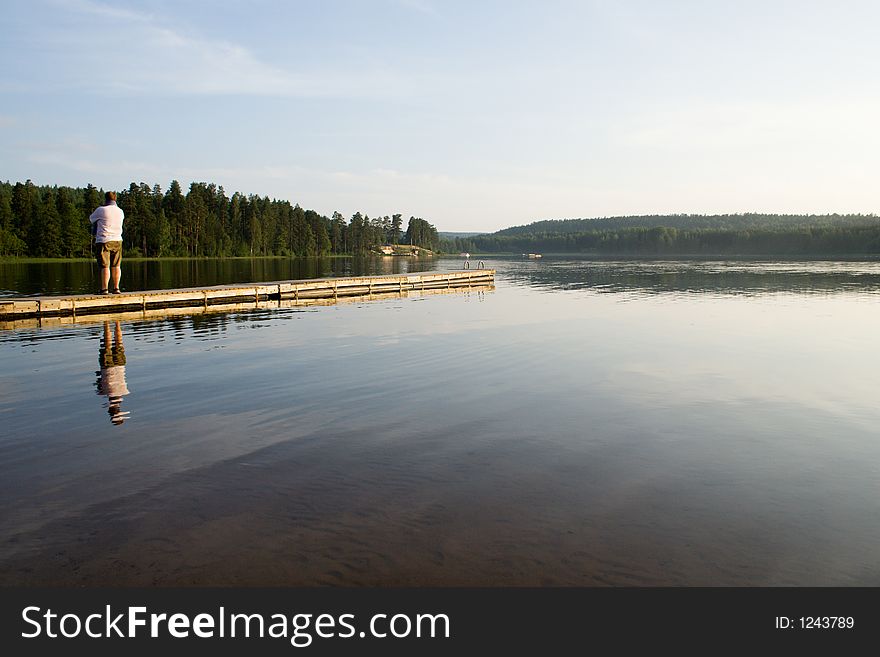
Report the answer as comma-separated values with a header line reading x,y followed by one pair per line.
x,y
111,377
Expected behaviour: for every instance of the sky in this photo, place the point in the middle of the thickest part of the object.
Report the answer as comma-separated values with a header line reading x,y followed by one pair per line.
x,y
473,115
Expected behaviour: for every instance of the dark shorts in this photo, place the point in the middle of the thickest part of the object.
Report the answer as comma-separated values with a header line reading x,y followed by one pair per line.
x,y
111,356
108,254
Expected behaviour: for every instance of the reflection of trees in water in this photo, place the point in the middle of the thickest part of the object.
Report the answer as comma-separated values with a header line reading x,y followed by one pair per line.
x,y
199,326
695,276
156,275
35,278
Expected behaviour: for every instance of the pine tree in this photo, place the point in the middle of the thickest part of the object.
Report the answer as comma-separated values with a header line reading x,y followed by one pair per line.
x,y
311,248
24,209
337,233
174,203
10,244
92,199
236,227
5,208
74,225
51,242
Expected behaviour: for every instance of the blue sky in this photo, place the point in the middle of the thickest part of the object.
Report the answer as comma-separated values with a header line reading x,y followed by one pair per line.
x,y
473,115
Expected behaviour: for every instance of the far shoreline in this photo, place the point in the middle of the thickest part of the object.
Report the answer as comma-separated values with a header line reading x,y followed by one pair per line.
x,y
854,257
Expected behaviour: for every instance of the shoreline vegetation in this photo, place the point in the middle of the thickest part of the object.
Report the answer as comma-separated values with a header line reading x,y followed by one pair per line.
x,y
44,260
794,257
751,234
53,222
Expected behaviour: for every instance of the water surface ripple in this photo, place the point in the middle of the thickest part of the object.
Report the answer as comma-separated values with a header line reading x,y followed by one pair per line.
x,y
585,423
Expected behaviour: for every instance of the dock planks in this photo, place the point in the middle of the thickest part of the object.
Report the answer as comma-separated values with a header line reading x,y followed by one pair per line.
x,y
13,309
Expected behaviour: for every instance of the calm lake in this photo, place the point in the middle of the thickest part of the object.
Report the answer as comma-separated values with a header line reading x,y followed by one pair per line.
x,y
587,422
82,277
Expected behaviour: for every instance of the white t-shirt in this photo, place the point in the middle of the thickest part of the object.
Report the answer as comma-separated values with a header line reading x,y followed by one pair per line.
x,y
113,381
109,218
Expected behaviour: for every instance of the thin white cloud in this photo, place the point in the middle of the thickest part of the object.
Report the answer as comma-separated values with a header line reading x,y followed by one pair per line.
x,y
421,6
104,11
757,124
450,202
654,184
149,56
69,145
66,161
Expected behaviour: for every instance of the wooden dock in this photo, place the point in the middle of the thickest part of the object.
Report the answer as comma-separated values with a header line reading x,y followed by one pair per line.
x,y
322,289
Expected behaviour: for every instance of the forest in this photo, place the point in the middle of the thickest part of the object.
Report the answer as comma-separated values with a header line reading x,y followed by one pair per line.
x,y
53,222
686,234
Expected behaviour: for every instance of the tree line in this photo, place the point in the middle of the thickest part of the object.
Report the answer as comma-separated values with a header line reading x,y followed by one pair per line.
x,y
731,234
44,221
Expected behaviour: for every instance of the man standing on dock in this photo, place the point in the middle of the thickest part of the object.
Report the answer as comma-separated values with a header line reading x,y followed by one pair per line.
x,y
107,228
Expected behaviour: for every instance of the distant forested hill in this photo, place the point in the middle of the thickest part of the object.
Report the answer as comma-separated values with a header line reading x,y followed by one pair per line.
x,y
731,234
449,235
734,222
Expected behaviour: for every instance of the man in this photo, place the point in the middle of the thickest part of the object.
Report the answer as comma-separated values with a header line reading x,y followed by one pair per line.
x,y
107,227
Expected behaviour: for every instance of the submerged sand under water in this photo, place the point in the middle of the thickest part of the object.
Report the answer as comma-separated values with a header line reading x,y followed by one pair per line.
x,y
576,426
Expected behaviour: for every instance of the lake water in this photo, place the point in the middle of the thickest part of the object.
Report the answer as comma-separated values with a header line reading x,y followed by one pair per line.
x,y
584,423
83,277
